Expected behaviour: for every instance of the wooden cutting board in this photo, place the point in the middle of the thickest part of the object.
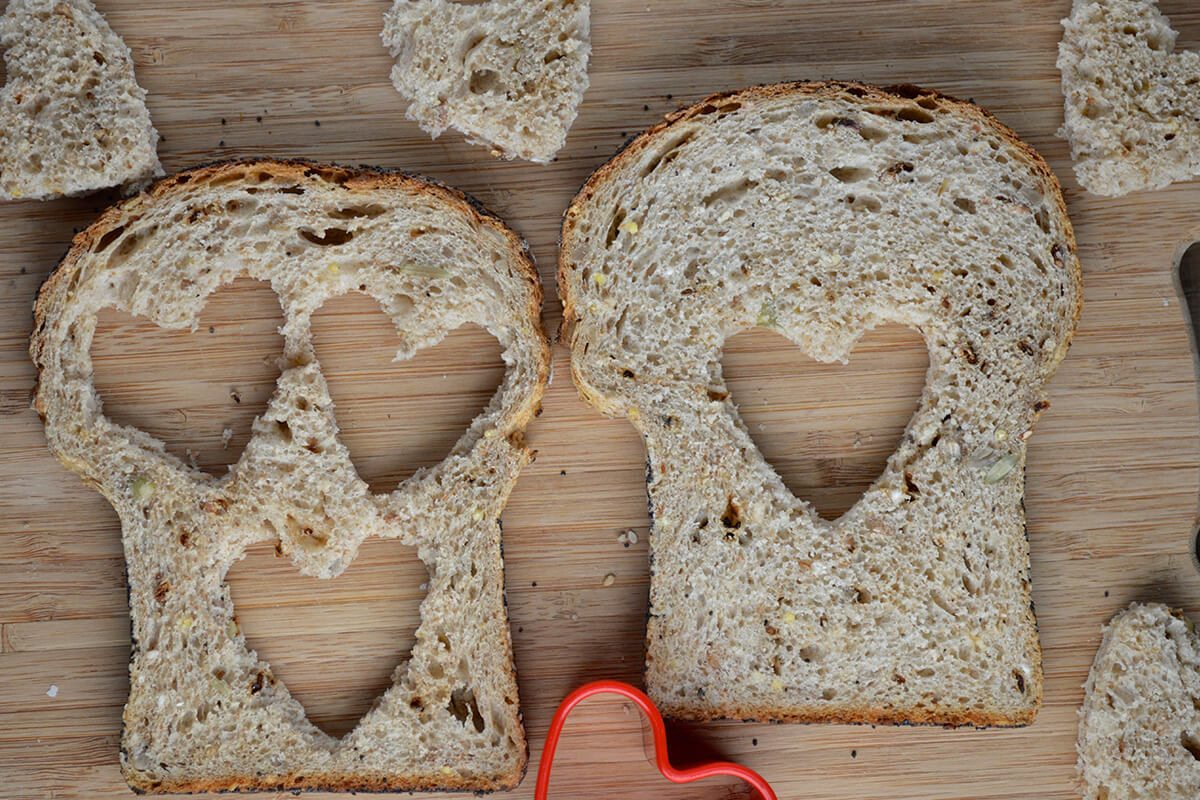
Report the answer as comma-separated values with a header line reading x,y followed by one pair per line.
x,y
1114,467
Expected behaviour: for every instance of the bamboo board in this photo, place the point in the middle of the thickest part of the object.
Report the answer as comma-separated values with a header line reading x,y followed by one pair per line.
x,y
1114,467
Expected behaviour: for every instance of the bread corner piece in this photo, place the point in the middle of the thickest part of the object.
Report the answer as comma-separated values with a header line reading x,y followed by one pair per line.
x,y
509,74
1139,726
72,116
820,211
204,712
1132,103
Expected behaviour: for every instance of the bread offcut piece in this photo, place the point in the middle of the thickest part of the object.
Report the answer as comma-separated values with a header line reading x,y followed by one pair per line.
x,y
822,210
1132,110
204,712
72,116
510,74
1139,727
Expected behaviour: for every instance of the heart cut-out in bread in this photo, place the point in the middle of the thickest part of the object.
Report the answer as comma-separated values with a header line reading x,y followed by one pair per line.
x,y
203,712
72,116
510,74
827,429
825,210
366,619
398,416
1139,726
197,390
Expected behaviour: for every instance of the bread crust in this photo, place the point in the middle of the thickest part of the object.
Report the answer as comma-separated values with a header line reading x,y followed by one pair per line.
x,y
62,290
622,165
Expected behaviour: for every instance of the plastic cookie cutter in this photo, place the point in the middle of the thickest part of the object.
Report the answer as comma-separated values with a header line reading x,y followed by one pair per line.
x,y
762,790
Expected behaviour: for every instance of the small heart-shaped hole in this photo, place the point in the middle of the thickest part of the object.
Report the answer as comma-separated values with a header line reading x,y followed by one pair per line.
x,y
334,643
606,750
827,429
196,391
398,416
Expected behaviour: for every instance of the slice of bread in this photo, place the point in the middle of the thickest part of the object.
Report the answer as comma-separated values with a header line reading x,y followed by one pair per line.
x,y
72,117
204,713
510,74
1139,726
822,210
1132,110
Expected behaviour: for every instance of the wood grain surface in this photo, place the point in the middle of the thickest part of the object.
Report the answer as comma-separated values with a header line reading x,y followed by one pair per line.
x,y
1114,467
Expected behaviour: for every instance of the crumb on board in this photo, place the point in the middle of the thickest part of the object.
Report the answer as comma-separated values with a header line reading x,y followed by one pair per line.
x,y
628,538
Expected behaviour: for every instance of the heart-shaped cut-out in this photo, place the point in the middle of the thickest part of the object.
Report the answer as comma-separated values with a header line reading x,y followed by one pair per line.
x,y
365,620
658,731
827,429
197,391
398,417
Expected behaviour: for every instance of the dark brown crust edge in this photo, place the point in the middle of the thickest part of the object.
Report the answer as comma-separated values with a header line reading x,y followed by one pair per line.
x,y
328,782
897,94
863,716
349,178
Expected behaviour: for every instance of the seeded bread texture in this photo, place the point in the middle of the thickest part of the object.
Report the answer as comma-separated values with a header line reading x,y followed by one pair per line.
x,y
510,74
822,210
72,117
204,713
1132,110
1139,727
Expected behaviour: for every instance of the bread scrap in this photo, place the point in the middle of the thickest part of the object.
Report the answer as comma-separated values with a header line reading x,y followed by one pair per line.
x,y
1132,110
1139,727
822,210
72,116
204,713
510,74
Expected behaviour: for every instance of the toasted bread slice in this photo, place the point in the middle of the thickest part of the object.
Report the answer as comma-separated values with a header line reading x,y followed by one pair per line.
x,y
204,713
823,210
72,116
1139,727
1132,109
510,74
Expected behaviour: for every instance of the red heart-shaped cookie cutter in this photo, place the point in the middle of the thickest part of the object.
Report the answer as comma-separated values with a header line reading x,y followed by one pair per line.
x,y
659,731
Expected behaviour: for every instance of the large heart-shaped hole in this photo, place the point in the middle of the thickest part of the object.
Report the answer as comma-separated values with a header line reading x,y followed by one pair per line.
x,y
334,644
396,417
827,429
197,391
